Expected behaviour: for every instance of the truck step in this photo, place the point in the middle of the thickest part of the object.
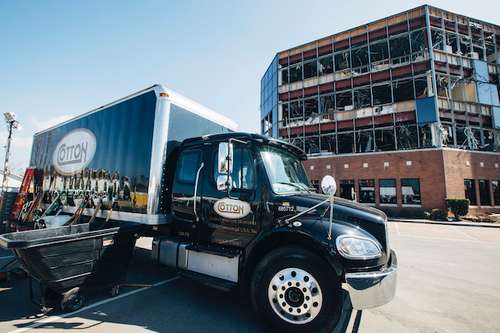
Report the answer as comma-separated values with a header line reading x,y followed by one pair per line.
x,y
218,250
210,281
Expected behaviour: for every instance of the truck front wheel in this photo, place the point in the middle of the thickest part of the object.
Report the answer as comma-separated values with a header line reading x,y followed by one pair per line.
x,y
296,291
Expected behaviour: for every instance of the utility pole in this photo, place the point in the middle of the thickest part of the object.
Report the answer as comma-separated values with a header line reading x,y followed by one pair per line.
x,y
12,124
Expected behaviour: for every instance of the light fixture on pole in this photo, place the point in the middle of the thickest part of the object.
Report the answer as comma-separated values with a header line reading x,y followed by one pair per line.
x,y
12,124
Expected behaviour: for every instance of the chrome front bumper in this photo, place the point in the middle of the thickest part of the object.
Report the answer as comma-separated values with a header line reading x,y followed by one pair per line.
x,y
372,289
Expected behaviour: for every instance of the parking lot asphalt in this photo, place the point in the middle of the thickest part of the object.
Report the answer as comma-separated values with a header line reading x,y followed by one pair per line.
x,y
448,282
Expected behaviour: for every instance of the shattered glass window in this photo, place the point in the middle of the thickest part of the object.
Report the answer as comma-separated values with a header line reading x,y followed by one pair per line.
x,y
407,137
425,134
296,109
311,144
328,143
359,57
343,99
417,39
342,61
437,39
400,49
310,69
327,103
310,107
421,88
345,143
362,97
452,40
284,76
295,73
325,65
379,51
382,94
464,43
384,139
365,141
403,90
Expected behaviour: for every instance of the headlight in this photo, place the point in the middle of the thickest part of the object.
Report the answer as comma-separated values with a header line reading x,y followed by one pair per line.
x,y
353,247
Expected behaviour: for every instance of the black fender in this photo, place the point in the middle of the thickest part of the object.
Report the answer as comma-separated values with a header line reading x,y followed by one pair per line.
x,y
286,236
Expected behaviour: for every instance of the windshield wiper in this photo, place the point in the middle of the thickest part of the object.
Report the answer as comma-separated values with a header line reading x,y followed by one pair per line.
x,y
299,186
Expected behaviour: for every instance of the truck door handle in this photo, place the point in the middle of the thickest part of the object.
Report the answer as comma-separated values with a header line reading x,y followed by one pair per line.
x,y
196,191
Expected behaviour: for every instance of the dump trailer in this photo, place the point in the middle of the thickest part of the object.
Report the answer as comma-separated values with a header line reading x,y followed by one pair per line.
x,y
228,209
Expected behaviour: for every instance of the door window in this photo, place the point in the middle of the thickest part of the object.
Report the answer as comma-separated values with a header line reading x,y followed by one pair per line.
x,y
243,175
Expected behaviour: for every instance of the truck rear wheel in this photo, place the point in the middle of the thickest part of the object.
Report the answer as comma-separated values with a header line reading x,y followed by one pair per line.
x,y
296,291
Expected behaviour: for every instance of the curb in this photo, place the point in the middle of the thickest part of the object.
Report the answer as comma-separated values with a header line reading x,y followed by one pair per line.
x,y
460,224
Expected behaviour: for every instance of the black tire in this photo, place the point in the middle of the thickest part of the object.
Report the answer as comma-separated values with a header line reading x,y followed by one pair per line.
x,y
293,257
72,301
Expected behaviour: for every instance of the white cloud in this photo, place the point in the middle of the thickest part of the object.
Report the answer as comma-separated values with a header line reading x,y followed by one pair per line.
x,y
40,125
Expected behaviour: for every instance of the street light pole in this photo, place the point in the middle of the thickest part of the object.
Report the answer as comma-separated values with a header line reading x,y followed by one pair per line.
x,y
12,123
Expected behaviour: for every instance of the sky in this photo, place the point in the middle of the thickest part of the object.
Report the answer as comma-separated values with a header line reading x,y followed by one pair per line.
x,y
62,58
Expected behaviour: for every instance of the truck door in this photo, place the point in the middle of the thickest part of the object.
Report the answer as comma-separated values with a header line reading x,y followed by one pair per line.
x,y
230,218
189,167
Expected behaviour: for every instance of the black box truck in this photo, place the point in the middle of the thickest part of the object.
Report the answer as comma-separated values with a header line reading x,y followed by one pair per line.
x,y
225,208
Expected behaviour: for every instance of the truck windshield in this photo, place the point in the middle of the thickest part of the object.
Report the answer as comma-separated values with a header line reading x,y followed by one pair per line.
x,y
285,171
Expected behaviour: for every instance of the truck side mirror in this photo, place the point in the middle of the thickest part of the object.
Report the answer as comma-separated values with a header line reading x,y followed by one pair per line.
x,y
328,185
224,166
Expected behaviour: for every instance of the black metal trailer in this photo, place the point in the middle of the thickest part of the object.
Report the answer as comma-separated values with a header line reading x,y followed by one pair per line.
x,y
65,263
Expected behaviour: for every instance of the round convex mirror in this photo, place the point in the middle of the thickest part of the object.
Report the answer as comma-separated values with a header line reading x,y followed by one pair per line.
x,y
328,185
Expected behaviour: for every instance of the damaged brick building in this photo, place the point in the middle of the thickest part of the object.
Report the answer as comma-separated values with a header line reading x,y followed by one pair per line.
x,y
403,111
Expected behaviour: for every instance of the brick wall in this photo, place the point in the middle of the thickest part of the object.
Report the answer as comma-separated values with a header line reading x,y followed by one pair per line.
x,y
441,171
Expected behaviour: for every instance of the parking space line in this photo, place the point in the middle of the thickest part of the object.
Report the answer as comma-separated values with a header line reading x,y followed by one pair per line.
x,y
91,306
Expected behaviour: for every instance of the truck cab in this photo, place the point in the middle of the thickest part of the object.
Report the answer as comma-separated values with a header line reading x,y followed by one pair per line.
x,y
243,213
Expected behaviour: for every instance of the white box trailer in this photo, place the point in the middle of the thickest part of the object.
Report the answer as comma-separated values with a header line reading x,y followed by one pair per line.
x,y
119,153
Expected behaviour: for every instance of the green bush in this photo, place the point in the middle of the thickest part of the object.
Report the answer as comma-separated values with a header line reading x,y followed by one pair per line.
x,y
438,215
458,207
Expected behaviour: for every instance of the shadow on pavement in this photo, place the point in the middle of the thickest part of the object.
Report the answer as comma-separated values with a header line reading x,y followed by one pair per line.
x,y
179,306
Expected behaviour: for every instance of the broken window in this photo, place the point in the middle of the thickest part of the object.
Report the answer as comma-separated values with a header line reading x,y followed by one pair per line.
x,y
310,69
479,50
425,134
490,50
437,39
489,141
464,43
347,190
417,40
327,103
325,65
407,137
442,85
365,141
452,41
285,115
311,144
310,107
421,90
495,187
329,143
403,90
410,191
298,141
343,99
382,94
284,76
387,191
400,49
359,57
342,61
345,143
296,109
362,97
295,73
379,52
384,139
484,192
470,191
366,190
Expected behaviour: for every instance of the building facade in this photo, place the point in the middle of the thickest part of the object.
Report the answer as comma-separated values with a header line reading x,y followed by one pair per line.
x,y
403,111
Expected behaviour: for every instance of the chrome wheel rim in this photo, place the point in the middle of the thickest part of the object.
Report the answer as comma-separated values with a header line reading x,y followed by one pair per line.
x,y
295,295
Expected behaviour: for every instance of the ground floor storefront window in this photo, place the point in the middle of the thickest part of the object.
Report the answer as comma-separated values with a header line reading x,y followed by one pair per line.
x,y
410,191
347,190
387,191
470,191
367,191
484,192
495,186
